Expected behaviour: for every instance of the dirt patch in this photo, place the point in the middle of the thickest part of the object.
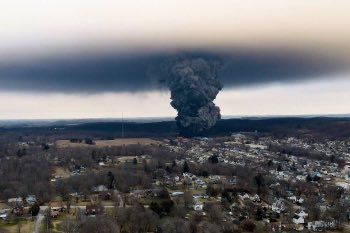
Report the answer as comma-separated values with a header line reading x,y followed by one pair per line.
x,y
108,143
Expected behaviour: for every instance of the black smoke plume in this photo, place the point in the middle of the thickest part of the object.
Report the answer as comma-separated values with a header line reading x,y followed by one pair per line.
x,y
194,84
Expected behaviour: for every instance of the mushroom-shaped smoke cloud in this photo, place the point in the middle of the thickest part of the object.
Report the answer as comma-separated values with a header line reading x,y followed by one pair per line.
x,y
194,85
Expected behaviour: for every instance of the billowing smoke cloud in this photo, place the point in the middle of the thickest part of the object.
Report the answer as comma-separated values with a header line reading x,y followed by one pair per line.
x,y
116,72
194,84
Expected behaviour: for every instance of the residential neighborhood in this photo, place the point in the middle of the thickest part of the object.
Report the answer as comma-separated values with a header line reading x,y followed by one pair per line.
x,y
245,182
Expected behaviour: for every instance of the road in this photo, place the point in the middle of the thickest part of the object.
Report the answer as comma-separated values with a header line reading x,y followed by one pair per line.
x,y
120,198
39,219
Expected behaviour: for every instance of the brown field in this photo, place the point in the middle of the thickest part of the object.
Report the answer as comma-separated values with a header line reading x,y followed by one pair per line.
x,y
108,143
60,172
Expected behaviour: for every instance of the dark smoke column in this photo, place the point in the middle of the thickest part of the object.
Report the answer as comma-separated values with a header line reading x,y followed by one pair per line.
x,y
194,85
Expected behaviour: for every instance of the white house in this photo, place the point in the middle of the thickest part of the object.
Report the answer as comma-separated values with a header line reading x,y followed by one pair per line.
x,y
100,188
176,178
255,198
301,213
15,201
298,220
198,206
31,199
297,200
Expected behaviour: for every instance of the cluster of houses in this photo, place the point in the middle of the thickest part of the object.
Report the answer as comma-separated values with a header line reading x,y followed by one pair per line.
x,y
280,212
245,150
17,206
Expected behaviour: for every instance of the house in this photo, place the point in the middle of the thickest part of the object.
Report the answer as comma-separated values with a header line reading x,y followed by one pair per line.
x,y
322,225
54,213
200,182
56,206
255,198
316,226
198,206
176,179
298,220
292,198
301,213
138,193
92,210
296,200
142,193
188,175
100,188
300,201
31,199
15,201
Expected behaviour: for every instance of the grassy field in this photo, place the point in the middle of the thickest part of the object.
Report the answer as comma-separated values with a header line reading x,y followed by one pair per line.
x,y
108,143
25,226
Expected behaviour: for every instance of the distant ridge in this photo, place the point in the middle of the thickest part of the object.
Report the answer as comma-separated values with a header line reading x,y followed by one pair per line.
x,y
321,127
69,122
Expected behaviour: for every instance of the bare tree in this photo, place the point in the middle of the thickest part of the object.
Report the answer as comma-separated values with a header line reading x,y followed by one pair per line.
x,y
69,226
176,225
98,225
188,199
207,227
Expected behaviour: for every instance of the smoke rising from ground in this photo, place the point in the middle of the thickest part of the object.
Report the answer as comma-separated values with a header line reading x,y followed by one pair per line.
x,y
194,84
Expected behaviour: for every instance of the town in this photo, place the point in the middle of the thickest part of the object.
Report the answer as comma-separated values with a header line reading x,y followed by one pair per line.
x,y
244,182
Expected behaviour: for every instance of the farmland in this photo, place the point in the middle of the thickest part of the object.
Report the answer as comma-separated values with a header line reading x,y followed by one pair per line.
x,y
108,143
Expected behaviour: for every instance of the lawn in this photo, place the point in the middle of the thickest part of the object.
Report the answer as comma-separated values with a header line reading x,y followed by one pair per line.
x,y
26,226
3,205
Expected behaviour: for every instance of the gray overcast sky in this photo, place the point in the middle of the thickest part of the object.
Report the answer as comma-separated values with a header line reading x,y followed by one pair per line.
x,y
77,59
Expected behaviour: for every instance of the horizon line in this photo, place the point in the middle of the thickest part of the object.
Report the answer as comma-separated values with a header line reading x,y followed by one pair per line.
x,y
224,117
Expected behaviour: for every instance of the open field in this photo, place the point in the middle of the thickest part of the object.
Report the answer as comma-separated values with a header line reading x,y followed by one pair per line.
x,y
25,226
108,143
